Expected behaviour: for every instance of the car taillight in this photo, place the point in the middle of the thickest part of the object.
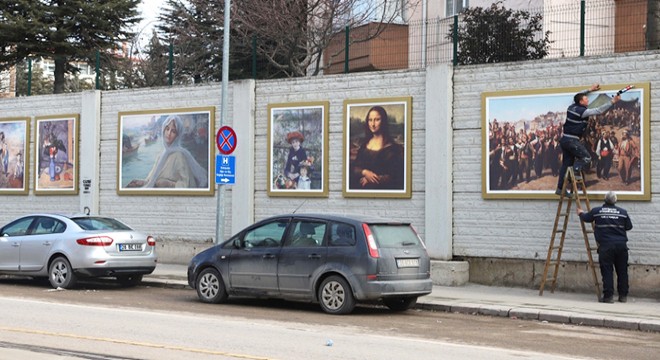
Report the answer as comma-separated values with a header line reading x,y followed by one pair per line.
x,y
371,242
151,241
95,241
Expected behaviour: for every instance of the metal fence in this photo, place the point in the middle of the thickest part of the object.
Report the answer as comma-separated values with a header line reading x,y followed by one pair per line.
x,y
577,28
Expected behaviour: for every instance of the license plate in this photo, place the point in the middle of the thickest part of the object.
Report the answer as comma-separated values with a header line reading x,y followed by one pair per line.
x,y
130,247
403,263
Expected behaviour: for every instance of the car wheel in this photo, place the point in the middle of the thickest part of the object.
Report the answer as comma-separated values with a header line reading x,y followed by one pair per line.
x,y
336,296
130,280
60,273
210,287
400,303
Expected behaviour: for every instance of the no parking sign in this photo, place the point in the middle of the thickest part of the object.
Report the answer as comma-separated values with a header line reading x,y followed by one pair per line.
x,y
226,140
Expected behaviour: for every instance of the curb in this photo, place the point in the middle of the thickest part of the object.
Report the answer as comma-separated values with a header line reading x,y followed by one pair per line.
x,y
543,315
551,316
166,283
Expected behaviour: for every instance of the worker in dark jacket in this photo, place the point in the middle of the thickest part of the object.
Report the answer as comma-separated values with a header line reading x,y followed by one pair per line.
x,y
611,224
574,153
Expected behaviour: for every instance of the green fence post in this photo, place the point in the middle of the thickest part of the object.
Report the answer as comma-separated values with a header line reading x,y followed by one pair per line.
x,y
254,56
29,89
346,45
98,70
455,40
171,65
582,26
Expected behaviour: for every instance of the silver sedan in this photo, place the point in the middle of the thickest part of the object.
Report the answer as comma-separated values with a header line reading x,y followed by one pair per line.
x,y
64,248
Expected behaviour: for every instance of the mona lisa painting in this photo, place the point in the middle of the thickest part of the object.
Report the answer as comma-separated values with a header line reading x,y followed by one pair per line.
x,y
377,147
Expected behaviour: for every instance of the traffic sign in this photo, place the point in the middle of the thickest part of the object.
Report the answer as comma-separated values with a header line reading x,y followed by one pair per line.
x,y
225,170
226,140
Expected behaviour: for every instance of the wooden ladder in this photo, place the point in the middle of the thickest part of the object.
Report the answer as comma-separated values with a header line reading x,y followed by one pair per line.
x,y
579,195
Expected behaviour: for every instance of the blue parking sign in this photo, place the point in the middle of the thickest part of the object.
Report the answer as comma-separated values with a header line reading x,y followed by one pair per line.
x,y
225,170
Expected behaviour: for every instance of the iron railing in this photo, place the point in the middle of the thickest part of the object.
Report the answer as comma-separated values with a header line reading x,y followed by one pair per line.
x,y
577,28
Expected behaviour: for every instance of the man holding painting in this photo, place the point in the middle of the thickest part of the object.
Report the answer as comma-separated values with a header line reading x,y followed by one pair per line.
x,y
574,152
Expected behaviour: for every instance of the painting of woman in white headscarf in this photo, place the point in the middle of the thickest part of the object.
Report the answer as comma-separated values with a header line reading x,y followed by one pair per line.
x,y
166,152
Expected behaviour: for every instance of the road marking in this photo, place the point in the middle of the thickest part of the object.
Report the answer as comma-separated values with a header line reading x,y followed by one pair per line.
x,y
134,343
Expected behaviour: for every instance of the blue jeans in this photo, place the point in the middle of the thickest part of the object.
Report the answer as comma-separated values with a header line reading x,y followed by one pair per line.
x,y
614,257
573,154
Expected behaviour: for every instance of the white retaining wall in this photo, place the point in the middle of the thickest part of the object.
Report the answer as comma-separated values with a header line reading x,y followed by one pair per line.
x,y
446,205
521,229
336,89
30,107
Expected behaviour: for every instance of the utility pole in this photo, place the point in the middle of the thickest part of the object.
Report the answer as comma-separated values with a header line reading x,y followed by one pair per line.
x,y
220,208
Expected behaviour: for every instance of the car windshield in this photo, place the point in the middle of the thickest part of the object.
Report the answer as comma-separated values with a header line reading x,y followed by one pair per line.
x,y
394,236
99,223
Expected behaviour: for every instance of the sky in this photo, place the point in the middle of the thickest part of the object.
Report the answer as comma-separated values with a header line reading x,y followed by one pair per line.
x,y
512,109
149,10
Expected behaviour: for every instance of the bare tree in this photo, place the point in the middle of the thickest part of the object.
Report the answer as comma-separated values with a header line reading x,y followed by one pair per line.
x,y
291,35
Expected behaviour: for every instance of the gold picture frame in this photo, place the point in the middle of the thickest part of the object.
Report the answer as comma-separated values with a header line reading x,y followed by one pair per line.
x,y
166,152
56,154
378,159
294,169
539,115
14,155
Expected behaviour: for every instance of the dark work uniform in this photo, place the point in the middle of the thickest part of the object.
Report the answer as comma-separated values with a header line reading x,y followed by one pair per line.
x,y
611,224
573,151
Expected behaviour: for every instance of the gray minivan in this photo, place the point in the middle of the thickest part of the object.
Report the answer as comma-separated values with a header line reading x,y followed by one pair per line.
x,y
334,260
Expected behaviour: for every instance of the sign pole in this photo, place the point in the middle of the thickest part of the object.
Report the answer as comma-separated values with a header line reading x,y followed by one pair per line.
x,y
220,207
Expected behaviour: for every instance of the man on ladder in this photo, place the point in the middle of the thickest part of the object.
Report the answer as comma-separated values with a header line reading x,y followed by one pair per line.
x,y
574,152
611,224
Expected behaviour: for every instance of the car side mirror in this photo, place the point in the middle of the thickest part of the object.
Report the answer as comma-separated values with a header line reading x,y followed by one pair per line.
x,y
237,243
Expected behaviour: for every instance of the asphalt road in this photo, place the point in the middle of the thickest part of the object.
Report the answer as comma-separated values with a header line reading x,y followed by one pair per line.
x,y
305,326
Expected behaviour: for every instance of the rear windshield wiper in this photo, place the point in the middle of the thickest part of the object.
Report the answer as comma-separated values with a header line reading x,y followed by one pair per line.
x,y
408,243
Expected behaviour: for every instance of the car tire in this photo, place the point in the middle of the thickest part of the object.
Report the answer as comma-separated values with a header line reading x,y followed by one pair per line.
x,y
210,287
130,280
336,296
60,273
400,303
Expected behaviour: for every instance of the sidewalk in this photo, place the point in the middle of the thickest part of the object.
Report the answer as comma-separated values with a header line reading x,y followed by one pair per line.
x,y
569,308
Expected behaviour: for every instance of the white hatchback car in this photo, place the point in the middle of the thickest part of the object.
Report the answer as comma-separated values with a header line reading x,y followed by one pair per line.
x,y
65,248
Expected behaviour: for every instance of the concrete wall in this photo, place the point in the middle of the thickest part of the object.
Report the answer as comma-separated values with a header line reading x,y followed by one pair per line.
x,y
446,206
429,209
168,217
336,89
30,107
521,229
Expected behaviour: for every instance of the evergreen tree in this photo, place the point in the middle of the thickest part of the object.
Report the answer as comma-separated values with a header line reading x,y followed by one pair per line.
x,y
195,30
65,31
288,37
196,39
39,83
497,34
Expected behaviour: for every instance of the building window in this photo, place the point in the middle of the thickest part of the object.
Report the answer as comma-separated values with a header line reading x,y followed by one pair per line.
x,y
454,7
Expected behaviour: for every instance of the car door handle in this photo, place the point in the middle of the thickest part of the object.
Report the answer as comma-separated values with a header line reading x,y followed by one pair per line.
x,y
46,243
269,256
314,256
15,244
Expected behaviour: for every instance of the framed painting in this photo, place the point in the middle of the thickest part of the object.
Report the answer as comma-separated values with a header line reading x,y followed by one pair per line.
x,y
377,147
14,140
297,149
166,152
56,155
522,156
